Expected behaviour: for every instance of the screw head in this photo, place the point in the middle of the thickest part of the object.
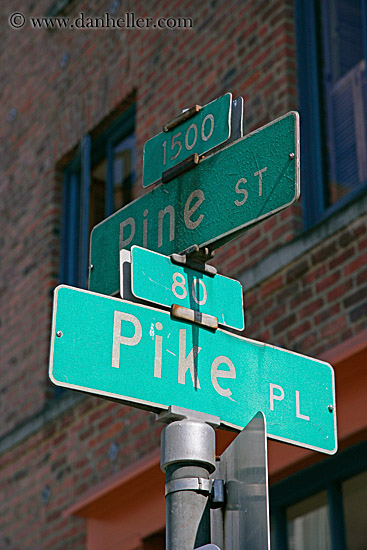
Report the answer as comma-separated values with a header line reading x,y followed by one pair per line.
x,y
59,333
331,408
291,155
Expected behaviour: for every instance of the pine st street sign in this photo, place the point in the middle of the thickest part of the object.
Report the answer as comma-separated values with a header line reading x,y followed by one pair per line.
x,y
155,278
208,128
141,356
227,192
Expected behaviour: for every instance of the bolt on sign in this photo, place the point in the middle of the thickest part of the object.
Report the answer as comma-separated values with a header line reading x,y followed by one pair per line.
x,y
226,193
141,356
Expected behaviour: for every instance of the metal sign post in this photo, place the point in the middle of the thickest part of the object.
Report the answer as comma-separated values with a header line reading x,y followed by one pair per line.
x,y
187,458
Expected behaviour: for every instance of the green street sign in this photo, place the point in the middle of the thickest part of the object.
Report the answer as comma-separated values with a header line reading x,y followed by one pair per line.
x,y
226,193
141,356
155,278
207,129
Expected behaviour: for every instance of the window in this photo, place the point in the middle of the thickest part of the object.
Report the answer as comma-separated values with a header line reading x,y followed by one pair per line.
x,y
96,183
323,507
308,524
332,53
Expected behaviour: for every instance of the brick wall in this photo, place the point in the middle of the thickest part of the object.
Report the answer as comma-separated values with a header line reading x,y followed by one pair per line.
x,y
317,301
60,84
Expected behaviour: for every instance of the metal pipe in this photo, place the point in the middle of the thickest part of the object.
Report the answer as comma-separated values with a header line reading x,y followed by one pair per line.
x,y
187,458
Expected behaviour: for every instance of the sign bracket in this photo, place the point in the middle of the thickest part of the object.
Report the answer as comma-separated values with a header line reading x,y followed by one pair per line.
x,y
196,258
184,115
194,316
180,168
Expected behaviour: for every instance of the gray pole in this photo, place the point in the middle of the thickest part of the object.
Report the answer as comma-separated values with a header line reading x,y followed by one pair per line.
x,y
187,458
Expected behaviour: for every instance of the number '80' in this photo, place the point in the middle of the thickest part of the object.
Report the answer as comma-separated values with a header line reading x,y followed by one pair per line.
x,y
179,288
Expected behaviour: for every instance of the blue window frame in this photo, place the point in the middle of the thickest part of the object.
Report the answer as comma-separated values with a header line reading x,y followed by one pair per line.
x,y
332,58
322,507
97,182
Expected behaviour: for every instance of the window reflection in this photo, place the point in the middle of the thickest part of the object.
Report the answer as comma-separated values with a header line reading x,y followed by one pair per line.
x,y
123,176
308,524
355,511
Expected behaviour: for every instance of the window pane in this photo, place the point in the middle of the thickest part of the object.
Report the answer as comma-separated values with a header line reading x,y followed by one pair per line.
x,y
344,87
123,171
355,511
308,524
97,194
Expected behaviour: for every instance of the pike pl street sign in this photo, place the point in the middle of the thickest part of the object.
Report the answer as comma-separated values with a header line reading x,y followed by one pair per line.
x,y
210,127
155,278
143,357
242,184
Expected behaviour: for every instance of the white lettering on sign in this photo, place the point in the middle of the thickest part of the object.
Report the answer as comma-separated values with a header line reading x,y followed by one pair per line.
x,y
187,363
260,174
280,396
274,397
125,242
188,212
199,282
190,139
216,373
188,145
119,340
298,414
240,190
175,143
179,289
179,284
171,211
128,226
158,352
204,136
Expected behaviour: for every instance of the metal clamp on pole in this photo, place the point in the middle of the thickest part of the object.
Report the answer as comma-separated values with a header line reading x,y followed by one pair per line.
x,y
196,258
200,484
187,314
186,114
187,458
180,168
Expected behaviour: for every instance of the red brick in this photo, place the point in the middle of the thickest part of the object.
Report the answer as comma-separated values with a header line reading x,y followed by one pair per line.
x,y
299,330
341,258
340,290
355,265
328,281
362,277
327,314
314,274
312,307
333,327
272,285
